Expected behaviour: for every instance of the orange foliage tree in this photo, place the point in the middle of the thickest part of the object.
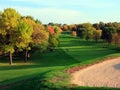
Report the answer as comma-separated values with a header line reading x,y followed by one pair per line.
x,y
74,34
51,30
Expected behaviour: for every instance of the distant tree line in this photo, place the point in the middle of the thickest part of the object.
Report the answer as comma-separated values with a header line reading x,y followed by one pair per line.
x,y
24,33
109,32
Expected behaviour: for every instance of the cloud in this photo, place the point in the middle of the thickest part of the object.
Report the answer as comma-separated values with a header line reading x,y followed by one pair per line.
x,y
47,15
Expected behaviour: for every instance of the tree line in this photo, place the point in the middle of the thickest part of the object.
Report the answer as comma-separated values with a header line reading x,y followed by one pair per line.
x,y
24,33
109,32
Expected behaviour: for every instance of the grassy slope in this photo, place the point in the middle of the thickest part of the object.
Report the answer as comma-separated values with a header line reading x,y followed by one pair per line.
x,y
71,52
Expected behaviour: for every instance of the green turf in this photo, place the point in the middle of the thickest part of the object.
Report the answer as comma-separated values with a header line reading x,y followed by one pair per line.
x,y
71,52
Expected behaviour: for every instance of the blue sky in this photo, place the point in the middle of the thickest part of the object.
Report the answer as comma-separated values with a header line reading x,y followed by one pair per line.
x,y
67,11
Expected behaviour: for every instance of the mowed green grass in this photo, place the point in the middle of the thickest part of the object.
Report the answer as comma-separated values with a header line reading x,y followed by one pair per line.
x,y
71,52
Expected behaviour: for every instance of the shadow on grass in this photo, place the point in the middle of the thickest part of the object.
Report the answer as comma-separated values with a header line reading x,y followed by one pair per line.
x,y
62,57
51,59
7,84
59,57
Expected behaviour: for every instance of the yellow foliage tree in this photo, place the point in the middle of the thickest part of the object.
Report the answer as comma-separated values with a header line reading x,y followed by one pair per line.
x,y
9,23
97,35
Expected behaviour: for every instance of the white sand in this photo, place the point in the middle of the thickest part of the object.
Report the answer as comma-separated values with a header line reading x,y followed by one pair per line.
x,y
105,74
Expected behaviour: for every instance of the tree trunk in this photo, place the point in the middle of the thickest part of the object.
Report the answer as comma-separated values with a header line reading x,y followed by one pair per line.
x,y
10,57
26,55
96,40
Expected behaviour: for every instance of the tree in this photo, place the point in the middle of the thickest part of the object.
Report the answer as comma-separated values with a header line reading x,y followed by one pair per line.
x,y
72,27
54,33
10,20
101,25
2,39
97,26
116,39
53,42
24,38
29,17
88,30
1,33
65,27
40,37
0,15
107,33
50,24
79,31
97,35
57,31
74,34
51,30
38,21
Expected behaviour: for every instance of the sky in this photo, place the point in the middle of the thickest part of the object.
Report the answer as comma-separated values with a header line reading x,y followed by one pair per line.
x,y
67,11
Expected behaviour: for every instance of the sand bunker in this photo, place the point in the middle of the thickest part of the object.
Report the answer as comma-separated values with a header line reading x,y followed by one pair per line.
x,y
105,74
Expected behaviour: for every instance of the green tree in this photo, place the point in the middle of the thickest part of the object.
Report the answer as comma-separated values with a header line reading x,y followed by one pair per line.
x,y
107,33
80,31
53,42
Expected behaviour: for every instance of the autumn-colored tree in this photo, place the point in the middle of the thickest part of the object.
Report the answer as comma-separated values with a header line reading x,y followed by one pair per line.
x,y
28,20
10,20
40,37
54,36
97,35
65,27
57,31
0,15
88,30
1,33
24,38
51,30
116,39
72,27
74,34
